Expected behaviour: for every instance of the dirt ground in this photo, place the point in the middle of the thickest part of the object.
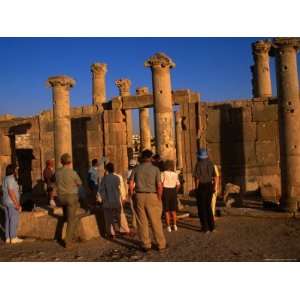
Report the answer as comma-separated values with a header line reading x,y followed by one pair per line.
x,y
237,238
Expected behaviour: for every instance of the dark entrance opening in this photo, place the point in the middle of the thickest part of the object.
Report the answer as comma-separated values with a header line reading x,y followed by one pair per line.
x,y
24,160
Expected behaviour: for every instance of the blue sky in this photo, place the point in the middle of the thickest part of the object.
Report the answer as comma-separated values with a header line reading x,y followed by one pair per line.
x,y
218,68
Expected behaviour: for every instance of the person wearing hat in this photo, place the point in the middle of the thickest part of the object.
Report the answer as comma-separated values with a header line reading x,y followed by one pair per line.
x,y
205,179
68,183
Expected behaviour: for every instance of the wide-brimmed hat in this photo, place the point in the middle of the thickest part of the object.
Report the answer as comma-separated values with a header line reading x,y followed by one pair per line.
x,y
202,154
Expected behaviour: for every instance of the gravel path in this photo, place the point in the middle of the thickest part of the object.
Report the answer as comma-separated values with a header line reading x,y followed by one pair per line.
x,y
237,238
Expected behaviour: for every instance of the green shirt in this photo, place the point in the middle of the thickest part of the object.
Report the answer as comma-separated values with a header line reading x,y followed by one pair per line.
x,y
67,181
146,178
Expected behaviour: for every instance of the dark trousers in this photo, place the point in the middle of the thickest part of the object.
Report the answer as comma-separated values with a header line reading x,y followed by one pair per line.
x,y
70,204
204,196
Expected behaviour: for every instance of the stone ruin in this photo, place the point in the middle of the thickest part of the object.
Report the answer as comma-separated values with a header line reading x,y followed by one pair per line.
x,y
255,142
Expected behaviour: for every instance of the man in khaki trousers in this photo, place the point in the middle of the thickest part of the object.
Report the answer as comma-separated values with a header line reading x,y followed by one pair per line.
x,y
145,183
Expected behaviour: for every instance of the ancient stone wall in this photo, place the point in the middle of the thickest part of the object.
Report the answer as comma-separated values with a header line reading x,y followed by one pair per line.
x,y
243,140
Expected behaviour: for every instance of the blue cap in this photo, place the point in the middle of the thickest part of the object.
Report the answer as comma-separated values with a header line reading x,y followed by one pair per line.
x,y
202,154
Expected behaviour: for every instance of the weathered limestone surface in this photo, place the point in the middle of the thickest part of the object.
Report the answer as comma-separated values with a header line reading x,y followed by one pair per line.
x,y
178,128
124,91
289,119
61,113
49,227
261,69
98,82
145,130
160,65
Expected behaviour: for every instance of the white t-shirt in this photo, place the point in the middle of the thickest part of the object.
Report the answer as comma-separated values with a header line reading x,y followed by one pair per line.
x,y
169,179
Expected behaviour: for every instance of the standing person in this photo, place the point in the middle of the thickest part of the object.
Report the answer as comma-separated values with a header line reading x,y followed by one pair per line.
x,y
170,182
146,181
49,179
132,165
110,191
215,194
205,180
93,179
11,203
68,183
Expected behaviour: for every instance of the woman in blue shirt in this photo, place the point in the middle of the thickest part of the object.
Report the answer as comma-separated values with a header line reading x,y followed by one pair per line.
x,y
11,203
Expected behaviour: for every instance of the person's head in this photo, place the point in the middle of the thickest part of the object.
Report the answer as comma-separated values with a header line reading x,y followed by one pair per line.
x,y
11,170
95,162
66,159
169,165
146,155
109,167
49,163
132,163
202,154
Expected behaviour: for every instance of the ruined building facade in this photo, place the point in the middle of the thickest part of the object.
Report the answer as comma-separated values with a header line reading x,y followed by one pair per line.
x,y
255,142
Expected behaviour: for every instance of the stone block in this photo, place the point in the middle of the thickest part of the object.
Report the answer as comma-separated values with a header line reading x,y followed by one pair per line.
x,y
269,193
214,152
88,228
264,112
93,123
93,138
249,157
266,153
267,131
5,148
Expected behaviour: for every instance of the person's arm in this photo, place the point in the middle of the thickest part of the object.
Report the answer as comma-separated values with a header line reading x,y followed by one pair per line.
x,y
131,183
12,195
77,179
159,186
177,182
196,180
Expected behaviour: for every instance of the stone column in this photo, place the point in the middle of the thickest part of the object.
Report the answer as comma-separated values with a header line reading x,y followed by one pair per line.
x,y
145,130
261,69
289,119
178,128
98,82
163,106
61,115
124,90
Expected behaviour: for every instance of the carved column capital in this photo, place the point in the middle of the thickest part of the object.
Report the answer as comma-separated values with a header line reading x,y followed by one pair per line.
x,y
286,42
261,47
159,60
123,85
62,80
97,68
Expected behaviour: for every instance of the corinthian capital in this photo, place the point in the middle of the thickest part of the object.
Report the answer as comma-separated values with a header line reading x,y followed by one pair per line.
x,y
62,80
286,42
261,47
123,85
159,60
98,68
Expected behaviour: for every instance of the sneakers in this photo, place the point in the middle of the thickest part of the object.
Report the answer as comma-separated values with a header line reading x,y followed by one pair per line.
x,y
16,240
174,228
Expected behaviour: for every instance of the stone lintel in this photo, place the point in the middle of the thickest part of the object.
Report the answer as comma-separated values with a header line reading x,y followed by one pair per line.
x,y
144,101
61,80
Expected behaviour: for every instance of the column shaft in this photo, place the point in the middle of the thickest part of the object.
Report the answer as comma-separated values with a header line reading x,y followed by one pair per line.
x,y
61,116
98,83
261,69
178,128
145,132
289,121
163,106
